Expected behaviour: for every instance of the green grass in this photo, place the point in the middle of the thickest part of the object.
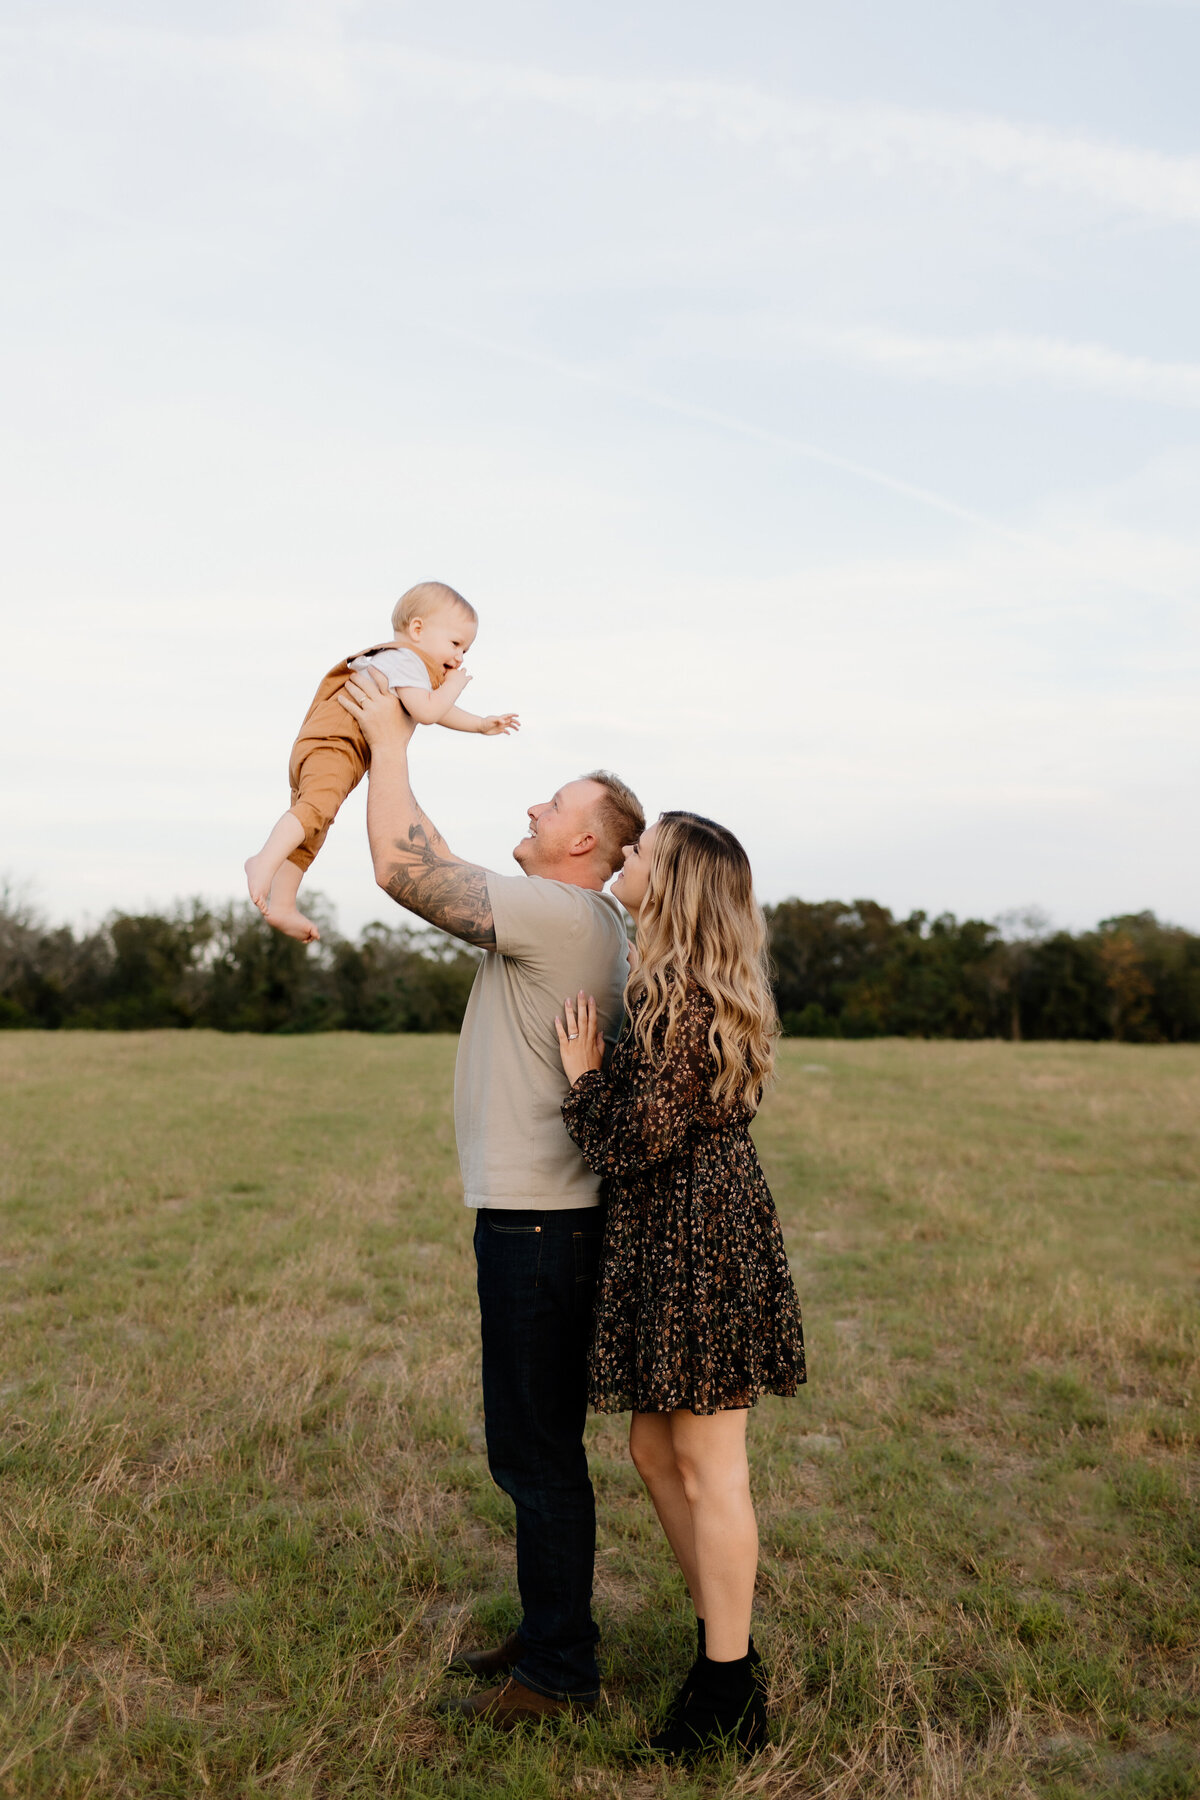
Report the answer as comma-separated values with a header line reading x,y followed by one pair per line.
x,y
245,1516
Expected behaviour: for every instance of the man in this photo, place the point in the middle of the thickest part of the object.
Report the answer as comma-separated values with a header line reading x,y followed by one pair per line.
x,y
545,934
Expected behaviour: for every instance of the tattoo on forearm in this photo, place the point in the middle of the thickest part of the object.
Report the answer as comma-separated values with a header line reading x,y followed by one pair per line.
x,y
451,894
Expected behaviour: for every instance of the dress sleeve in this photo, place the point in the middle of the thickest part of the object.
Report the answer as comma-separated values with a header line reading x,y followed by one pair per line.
x,y
642,1119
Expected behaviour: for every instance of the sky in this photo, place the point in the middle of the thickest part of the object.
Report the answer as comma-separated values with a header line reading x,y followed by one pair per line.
x,y
806,396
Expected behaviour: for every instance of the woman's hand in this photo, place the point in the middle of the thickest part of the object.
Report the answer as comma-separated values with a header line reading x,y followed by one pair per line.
x,y
579,1042
367,698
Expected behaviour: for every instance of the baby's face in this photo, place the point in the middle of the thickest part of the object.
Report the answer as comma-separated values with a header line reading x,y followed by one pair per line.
x,y
445,636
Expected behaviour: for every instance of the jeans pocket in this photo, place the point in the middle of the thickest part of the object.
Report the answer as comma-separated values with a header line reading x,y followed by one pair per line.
x,y
587,1254
503,1224
508,1253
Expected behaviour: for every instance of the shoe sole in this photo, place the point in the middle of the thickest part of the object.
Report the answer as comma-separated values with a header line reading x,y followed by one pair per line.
x,y
460,1666
689,1754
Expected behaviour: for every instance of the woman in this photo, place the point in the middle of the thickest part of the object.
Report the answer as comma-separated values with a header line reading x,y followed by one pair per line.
x,y
696,1314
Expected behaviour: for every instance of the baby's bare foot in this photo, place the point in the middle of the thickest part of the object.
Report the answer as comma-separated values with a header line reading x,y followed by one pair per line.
x,y
259,875
292,922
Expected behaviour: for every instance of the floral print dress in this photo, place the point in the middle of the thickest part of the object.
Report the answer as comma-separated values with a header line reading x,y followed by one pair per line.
x,y
695,1305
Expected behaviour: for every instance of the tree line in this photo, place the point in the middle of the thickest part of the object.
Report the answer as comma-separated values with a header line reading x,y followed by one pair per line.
x,y
854,970
842,970
223,967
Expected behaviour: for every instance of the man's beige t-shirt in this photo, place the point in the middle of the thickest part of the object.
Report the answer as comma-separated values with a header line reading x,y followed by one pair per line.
x,y
551,940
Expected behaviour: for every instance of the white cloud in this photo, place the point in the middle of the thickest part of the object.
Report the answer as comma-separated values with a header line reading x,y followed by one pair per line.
x,y
1003,357
1145,181
329,66
992,359
728,422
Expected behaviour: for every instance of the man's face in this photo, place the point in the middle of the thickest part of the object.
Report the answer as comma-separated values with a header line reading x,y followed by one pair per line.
x,y
557,824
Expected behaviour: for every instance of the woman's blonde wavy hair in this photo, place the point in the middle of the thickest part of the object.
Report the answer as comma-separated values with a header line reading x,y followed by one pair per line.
x,y
699,921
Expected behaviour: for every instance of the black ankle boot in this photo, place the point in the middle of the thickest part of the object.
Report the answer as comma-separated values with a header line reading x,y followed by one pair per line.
x,y
683,1694
725,1709
757,1670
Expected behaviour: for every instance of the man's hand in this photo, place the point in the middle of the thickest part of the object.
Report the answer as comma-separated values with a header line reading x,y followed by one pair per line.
x,y
367,698
410,855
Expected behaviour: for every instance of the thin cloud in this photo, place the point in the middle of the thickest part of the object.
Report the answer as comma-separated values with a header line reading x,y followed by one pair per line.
x,y
1004,357
1131,179
333,66
1145,563
727,422
992,359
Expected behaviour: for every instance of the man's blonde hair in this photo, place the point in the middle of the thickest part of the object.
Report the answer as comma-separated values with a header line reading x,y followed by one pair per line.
x,y
619,816
427,598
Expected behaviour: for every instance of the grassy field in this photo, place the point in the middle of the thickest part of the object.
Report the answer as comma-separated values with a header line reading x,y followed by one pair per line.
x,y
245,1516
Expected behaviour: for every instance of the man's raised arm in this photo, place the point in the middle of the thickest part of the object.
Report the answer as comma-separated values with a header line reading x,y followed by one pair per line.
x,y
412,862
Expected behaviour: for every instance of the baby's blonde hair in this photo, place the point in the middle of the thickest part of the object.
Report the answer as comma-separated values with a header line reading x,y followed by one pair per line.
x,y
427,598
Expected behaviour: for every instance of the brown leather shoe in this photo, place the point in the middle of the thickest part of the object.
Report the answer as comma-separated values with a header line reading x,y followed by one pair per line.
x,y
507,1706
497,1661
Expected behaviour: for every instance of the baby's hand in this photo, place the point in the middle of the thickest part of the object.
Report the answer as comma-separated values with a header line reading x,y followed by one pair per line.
x,y
456,681
499,724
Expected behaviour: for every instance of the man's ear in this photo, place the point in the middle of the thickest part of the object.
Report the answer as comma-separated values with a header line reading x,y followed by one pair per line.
x,y
584,844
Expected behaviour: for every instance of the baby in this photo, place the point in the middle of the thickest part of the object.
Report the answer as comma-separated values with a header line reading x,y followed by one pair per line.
x,y
433,629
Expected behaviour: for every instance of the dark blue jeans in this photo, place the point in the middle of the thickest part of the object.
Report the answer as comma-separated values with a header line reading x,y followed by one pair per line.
x,y
537,1287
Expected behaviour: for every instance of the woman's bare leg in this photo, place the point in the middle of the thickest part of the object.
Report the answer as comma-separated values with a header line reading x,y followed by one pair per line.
x,y
710,1458
653,1456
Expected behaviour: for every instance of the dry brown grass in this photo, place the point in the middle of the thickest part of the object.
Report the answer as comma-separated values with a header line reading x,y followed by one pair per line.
x,y
245,1517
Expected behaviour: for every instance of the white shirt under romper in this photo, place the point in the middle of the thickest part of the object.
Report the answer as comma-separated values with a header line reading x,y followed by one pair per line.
x,y
400,668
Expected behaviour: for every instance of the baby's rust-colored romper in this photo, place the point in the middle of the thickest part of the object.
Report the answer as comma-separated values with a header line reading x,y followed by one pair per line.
x,y
330,755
